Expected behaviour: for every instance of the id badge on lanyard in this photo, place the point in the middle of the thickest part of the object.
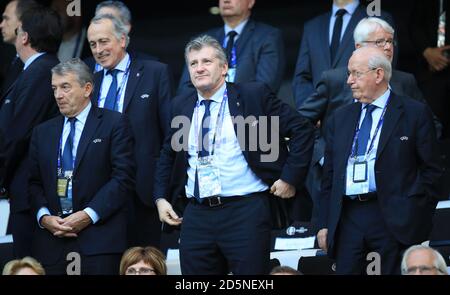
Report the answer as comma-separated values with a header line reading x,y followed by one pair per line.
x,y
357,176
208,175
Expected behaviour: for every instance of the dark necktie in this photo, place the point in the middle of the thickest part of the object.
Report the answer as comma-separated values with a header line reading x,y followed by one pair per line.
x,y
68,147
110,100
203,142
364,131
230,44
336,39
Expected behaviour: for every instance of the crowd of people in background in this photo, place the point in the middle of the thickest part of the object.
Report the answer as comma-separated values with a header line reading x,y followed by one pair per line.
x,y
95,157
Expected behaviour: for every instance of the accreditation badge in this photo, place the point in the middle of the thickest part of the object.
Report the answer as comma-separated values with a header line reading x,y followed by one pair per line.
x,y
208,177
230,78
61,187
357,181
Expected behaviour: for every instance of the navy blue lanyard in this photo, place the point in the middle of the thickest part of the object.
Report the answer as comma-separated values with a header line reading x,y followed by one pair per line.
x,y
233,54
372,140
120,89
220,117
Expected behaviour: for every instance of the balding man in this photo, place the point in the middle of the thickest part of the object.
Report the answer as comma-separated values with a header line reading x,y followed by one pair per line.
x,y
381,172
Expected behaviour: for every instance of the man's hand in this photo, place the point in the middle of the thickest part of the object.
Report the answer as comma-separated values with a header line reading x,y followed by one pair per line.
x,y
77,221
282,189
435,58
55,225
322,239
166,213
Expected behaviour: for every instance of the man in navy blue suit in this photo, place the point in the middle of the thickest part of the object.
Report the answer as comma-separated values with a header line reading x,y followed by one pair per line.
x,y
255,50
27,102
81,176
327,43
382,175
142,90
227,163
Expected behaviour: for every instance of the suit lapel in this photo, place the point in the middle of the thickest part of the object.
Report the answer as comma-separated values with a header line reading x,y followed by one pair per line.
x,y
236,108
98,80
136,72
349,127
393,112
347,39
92,122
55,133
188,111
324,39
247,32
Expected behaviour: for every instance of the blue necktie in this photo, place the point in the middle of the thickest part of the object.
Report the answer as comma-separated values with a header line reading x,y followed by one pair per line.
x,y
336,38
110,100
203,139
230,44
67,158
364,131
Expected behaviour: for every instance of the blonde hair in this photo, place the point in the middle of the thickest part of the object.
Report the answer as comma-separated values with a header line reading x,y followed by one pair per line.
x,y
149,255
14,266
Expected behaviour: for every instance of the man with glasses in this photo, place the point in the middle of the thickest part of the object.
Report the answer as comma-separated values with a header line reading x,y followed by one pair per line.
x,y
423,260
333,92
382,172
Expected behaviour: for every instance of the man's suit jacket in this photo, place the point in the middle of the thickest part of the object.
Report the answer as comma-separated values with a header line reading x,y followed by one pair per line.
x,y
147,105
246,99
13,71
28,102
333,92
103,180
260,56
314,54
407,169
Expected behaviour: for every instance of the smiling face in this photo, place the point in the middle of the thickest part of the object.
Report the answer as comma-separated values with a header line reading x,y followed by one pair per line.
x,y
107,50
71,97
206,71
9,23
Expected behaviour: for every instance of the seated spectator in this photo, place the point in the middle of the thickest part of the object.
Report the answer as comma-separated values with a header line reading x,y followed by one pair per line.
x,y
284,271
25,266
423,260
143,261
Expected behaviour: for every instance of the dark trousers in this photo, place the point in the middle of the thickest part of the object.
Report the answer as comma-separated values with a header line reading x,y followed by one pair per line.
x,y
144,227
22,225
105,264
233,237
361,230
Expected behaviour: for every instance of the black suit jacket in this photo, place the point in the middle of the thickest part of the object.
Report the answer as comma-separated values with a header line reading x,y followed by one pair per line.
x,y
407,169
246,99
314,53
29,102
103,180
147,105
13,71
260,56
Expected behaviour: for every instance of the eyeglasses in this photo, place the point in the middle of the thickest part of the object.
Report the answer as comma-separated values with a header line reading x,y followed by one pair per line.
x,y
357,74
140,271
421,268
382,42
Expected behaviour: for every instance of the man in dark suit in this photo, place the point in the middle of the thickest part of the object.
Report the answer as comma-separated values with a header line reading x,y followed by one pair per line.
x,y
432,48
255,50
82,173
142,89
10,22
27,103
333,92
227,173
382,175
327,44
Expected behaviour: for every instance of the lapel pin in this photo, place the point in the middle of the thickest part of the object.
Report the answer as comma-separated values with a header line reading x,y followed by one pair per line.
x,y
138,74
238,104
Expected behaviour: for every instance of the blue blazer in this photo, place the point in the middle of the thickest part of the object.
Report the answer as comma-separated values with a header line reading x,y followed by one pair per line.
x,y
246,99
407,169
314,54
103,180
147,105
260,56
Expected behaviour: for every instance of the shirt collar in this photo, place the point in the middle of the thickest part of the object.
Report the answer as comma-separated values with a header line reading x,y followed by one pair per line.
x,y
351,7
121,66
82,117
238,29
380,101
217,97
31,59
